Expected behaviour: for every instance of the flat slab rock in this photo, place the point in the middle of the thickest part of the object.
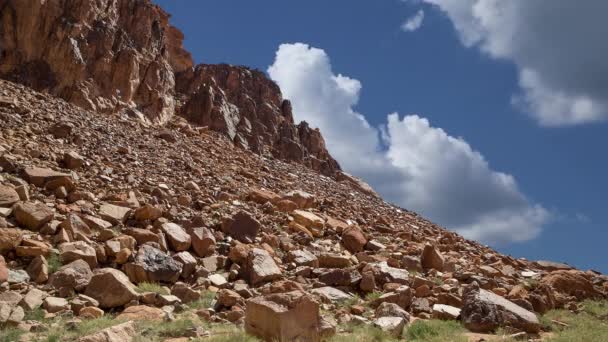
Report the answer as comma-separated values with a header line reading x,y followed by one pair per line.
x,y
484,311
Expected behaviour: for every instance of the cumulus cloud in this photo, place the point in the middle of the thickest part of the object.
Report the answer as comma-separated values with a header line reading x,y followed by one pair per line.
x,y
413,23
408,161
558,46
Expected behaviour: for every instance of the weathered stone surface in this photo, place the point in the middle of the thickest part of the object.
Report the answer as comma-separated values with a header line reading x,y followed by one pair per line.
x,y
141,313
33,299
331,294
572,283
33,215
203,242
38,269
40,176
185,293
73,276
242,227
353,240
392,325
291,316
111,288
328,260
303,258
113,213
8,196
55,304
3,270
153,265
10,238
118,333
391,310
179,240
261,267
309,220
301,198
79,250
484,311
383,273
445,312
147,212
90,312
188,263
431,258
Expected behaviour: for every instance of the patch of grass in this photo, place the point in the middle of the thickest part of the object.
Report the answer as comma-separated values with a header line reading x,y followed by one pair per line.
x,y
151,287
362,333
10,334
347,303
227,333
54,262
153,331
204,302
591,324
35,315
372,296
91,326
436,331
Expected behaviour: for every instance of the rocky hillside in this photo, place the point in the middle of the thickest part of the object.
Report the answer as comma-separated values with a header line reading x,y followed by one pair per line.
x,y
188,192
122,56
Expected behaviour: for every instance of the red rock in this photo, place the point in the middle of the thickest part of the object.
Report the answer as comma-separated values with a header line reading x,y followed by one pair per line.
x,y
33,215
353,240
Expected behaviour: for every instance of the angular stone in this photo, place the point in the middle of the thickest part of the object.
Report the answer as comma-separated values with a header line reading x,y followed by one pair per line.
x,y
445,312
291,316
90,312
73,160
179,240
328,260
118,333
141,313
33,215
79,250
392,325
309,220
353,240
261,267
142,236
242,226
303,258
33,299
261,196
571,283
331,294
401,296
484,311
383,273
391,310
431,258
39,176
113,213
74,276
147,212
38,269
55,304
218,280
18,276
185,293
188,263
301,198
203,242
3,270
340,277
8,196
10,238
153,265
111,288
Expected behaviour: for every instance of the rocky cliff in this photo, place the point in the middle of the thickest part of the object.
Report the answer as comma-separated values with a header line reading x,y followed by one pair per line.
x,y
122,56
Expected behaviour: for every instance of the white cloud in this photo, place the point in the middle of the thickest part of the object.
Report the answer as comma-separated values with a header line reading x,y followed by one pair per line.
x,y
408,161
413,23
558,46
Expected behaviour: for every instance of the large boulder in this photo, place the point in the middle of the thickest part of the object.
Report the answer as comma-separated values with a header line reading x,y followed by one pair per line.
x,y
118,333
431,258
572,283
111,288
74,276
353,240
483,311
8,196
179,240
153,265
290,316
10,238
79,250
33,215
203,241
261,267
242,226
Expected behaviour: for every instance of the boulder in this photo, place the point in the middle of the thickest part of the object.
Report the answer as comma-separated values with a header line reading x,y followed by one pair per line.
x,y
9,239
147,212
79,250
90,312
38,269
303,257
383,273
33,215
33,299
262,196
3,270
431,258
353,240
188,263
40,176
73,160
571,283
331,294
391,310
301,198
74,276
242,226
483,311
55,304
179,240
261,267
445,312
391,325
113,213
141,313
153,265
8,196
310,221
111,288
290,316
119,333
203,241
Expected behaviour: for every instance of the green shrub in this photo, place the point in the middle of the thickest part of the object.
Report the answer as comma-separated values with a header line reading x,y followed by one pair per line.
x,y
436,331
151,287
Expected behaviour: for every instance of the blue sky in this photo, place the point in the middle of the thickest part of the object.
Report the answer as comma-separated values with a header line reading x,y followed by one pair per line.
x,y
460,80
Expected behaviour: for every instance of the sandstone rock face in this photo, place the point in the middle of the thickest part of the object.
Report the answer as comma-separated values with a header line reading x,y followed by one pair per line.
x,y
249,108
118,333
291,316
122,56
572,283
153,265
484,311
261,267
103,55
